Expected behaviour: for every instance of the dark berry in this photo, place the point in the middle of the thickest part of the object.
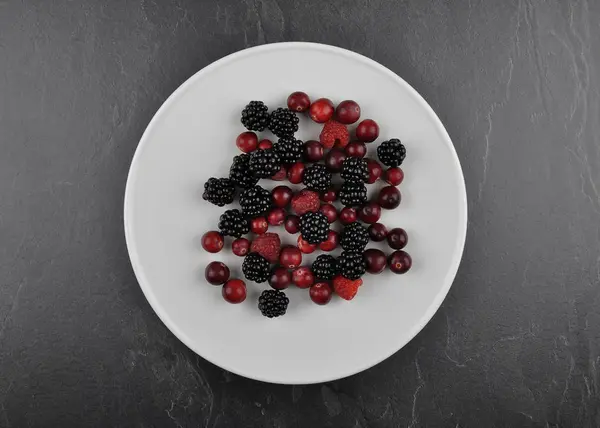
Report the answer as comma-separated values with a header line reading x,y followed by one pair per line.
x,y
370,212
255,201
334,160
324,267
389,197
375,260
216,273
283,122
280,278
264,163
247,141
321,110
356,149
351,265
317,177
219,191
234,223
298,101
354,237
347,112
355,169
212,241
397,238
292,224
313,151
399,261
234,291
353,193
255,116
394,176
367,131
240,247
240,172
377,232
391,152
288,149
314,227
320,293
273,303
256,268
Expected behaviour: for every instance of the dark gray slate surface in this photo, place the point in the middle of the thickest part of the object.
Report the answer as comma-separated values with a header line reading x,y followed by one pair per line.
x,y
516,343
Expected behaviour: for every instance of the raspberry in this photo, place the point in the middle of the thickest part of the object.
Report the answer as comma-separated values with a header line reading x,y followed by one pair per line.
x,y
306,201
267,245
346,288
334,133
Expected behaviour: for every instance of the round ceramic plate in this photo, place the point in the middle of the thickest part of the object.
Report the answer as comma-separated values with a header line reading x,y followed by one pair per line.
x,y
192,138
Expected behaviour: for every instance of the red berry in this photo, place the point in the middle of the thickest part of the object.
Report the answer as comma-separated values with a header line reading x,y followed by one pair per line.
x,y
334,160
298,101
234,291
348,215
377,232
347,112
331,242
240,247
259,225
356,149
334,134
295,173
290,257
276,217
321,110
375,260
399,261
303,277
305,247
292,224
389,197
305,201
216,273
397,238
212,241
329,211
346,288
280,278
329,196
280,175
313,151
394,176
247,141
320,293
267,245
265,144
375,171
370,212
367,131
282,195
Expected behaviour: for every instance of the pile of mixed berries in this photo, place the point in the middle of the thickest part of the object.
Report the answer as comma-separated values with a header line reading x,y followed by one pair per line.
x,y
309,211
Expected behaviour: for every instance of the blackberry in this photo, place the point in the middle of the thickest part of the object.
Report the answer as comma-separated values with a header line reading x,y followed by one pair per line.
x,y
255,116
324,267
391,152
352,193
317,177
314,227
219,191
354,237
240,172
264,163
289,149
351,265
256,268
273,303
355,169
234,223
283,122
255,201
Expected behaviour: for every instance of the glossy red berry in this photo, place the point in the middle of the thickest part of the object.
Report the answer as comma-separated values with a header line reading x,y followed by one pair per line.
x,y
394,176
329,196
280,175
265,144
280,278
282,195
216,273
259,225
330,212
367,131
356,149
399,261
240,247
375,260
303,277
276,216
321,110
313,151
321,293
377,232
234,291
212,241
298,101
347,112
348,215
290,257
370,212
305,247
295,173
375,171
334,160
389,197
331,242
397,238
292,224
247,141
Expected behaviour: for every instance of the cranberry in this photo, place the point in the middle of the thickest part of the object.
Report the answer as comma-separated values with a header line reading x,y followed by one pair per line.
x,y
375,260
303,277
276,217
240,247
320,293
295,173
247,141
329,196
394,175
331,242
212,241
290,257
399,261
389,197
367,131
234,291
370,212
292,224
259,225
334,160
347,112
377,232
216,273
321,110
329,211
280,278
282,195
305,247
280,175
397,238
298,101
356,149
265,144
348,215
375,171
313,151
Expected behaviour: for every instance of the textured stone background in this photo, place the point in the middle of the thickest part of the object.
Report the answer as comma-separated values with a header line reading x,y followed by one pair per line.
x,y
516,343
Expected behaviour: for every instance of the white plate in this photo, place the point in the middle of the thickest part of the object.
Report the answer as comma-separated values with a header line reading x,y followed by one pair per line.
x,y
192,137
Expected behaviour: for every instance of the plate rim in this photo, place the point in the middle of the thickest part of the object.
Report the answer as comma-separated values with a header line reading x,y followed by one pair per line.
x,y
127,208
